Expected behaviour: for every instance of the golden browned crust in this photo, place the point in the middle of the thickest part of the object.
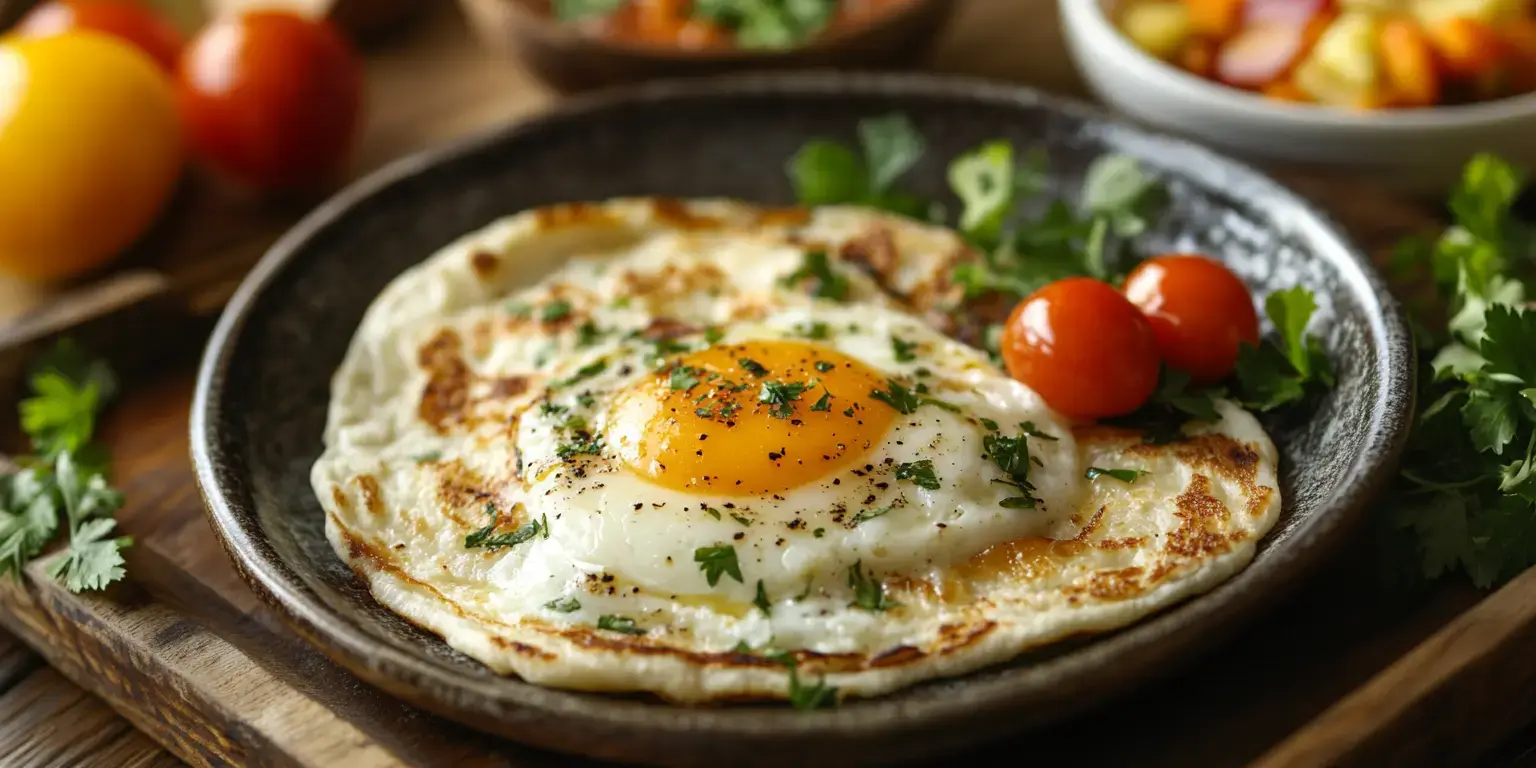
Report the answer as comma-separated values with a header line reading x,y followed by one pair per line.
x,y
448,377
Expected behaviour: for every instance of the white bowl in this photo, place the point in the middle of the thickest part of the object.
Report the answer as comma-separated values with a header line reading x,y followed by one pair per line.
x,y
1414,150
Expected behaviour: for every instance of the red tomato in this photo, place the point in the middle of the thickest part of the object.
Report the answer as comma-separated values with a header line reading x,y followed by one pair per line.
x,y
271,98
1200,311
123,19
1090,353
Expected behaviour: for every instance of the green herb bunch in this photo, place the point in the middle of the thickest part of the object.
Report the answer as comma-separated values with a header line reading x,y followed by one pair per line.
x,y
63,483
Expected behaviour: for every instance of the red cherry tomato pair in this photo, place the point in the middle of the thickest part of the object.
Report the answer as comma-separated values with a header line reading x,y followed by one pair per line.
x,y
1093,352
270,98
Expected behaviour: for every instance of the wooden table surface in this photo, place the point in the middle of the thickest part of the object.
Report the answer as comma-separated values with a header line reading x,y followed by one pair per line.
x,y
46,720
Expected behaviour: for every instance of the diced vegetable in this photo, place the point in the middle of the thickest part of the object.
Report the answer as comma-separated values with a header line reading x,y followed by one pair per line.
x,y
1469,49
1160,28
1363,54
1260,54
1215,18
1408,63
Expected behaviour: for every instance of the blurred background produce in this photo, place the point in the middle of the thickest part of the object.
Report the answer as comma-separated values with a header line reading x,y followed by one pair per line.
x,y
90,150
1361,54
105,97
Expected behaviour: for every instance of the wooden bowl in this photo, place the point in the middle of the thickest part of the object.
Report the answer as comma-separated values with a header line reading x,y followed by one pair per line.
x,y
570,60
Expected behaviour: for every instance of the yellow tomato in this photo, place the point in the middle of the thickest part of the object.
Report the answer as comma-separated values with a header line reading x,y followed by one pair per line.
x,y
90,151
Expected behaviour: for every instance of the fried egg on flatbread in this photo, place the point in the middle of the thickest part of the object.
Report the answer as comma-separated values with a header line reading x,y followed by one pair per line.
x,y
671,447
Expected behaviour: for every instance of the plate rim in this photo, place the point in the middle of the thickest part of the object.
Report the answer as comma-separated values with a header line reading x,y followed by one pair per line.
x,y
887,727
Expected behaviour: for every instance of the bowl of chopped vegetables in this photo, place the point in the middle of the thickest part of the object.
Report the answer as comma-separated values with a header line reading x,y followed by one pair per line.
x,y
579,44
1401,90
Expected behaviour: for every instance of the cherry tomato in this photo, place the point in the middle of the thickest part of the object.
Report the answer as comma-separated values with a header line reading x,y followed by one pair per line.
x,y
1200,311
123,19
271,98
90,151
1085,349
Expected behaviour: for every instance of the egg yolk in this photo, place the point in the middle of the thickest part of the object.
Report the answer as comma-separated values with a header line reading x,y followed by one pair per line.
x,y
750,419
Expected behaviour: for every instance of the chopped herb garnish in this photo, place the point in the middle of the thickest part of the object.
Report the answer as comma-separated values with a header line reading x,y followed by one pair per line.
x,y
713,334
1127,476
823,366
824,403
588,333
848,412
585,445
488,538
824,282
728,410
906,401
740,519
716,560
583,373
780,395
819,532
1030,429
761,600
801,696
621,624
585,400
518,309
555,311
868,591
574,423
428,457
1011,454
752,367
548,408
920,473
868,514
684,377
711,511
563,605
989,424
904,351
704,413
814,330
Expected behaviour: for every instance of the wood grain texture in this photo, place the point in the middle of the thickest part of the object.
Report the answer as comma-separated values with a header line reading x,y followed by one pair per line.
x,y
1456,695
188,654
48,722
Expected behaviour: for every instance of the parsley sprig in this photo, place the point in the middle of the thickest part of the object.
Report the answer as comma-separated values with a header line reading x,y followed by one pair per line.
x,y
1467,497
65,477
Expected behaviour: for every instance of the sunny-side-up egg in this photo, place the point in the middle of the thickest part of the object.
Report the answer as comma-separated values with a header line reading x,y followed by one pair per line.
x,y
707,489
712,451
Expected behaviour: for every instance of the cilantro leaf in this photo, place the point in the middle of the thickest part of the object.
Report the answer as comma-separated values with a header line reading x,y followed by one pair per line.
x,y
892,146
488,538
1127,476
902,350
868,591
716,560
1273,375
621,624
761,600
817,273
61,415
1491,419
827,173
91,561
983,180
866,515
563,605
805,697
920,473
29,518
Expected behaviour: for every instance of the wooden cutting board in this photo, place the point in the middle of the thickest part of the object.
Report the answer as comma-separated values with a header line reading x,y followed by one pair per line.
x,y
186,652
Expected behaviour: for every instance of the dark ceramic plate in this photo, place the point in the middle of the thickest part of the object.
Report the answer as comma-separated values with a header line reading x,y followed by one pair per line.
x,y
261,396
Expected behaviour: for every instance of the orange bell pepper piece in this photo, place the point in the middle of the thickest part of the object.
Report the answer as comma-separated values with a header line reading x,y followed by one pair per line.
x,y
1468,49
1408,60
1215,18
